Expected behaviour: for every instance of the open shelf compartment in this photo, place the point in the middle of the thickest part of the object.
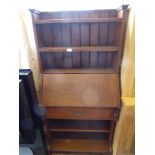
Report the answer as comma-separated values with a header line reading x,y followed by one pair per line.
x,y
79,146
79,126
76,62
78,35
79,135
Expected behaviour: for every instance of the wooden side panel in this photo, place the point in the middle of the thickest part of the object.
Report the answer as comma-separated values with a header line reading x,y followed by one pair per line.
x,y
120,39
94,40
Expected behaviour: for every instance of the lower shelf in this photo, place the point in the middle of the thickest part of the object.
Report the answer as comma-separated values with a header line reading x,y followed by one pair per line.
x,y
77,71
79,146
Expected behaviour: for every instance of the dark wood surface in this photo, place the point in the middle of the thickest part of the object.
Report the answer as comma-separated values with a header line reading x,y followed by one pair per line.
x,y
95,28
79,126
80,20
53,61
80,90
79,71
80,146
79,135
81,113
80,56
80,49
66,33
87,32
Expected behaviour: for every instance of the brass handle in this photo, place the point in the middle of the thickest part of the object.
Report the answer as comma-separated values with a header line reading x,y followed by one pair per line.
x,y
79,113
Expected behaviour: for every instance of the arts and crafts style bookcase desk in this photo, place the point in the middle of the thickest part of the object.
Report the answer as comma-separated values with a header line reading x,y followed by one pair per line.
x,y
80,55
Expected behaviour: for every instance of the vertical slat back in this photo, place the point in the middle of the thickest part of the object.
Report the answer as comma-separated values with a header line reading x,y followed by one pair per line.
x,y
47,35
66,40
103,35
75,41
39,34
57,41
78,35
85,28
111,32
94,40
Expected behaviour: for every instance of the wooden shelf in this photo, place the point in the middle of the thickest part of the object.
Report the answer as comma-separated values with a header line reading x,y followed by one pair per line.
x,y
78,20
80,130
77,71
80,49
79,146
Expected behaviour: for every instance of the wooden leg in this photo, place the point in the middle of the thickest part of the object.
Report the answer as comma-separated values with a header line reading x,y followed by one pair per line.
x,y
47,135
112,128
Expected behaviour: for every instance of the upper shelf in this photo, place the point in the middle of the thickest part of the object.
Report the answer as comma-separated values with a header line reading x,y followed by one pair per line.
x,y
78,20
79,49
95,38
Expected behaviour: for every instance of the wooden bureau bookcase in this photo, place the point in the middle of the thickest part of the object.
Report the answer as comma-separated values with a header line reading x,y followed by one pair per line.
x,y
79,55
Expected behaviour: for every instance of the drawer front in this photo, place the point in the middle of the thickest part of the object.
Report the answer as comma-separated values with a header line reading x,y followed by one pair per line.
x,y
82,113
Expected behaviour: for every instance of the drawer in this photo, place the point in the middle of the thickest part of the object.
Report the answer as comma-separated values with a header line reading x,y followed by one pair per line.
x,y
81,113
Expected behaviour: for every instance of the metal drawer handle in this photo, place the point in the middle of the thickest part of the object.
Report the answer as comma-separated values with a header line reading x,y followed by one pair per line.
x,y
79,113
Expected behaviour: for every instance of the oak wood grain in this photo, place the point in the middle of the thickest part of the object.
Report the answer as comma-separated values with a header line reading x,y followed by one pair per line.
x,y
81,113
77,146
80,90
79,71
80,49
80,20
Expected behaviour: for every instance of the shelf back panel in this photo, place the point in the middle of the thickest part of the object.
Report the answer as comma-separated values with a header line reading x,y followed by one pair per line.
x,y
80,135
80,29
77,60
81,34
